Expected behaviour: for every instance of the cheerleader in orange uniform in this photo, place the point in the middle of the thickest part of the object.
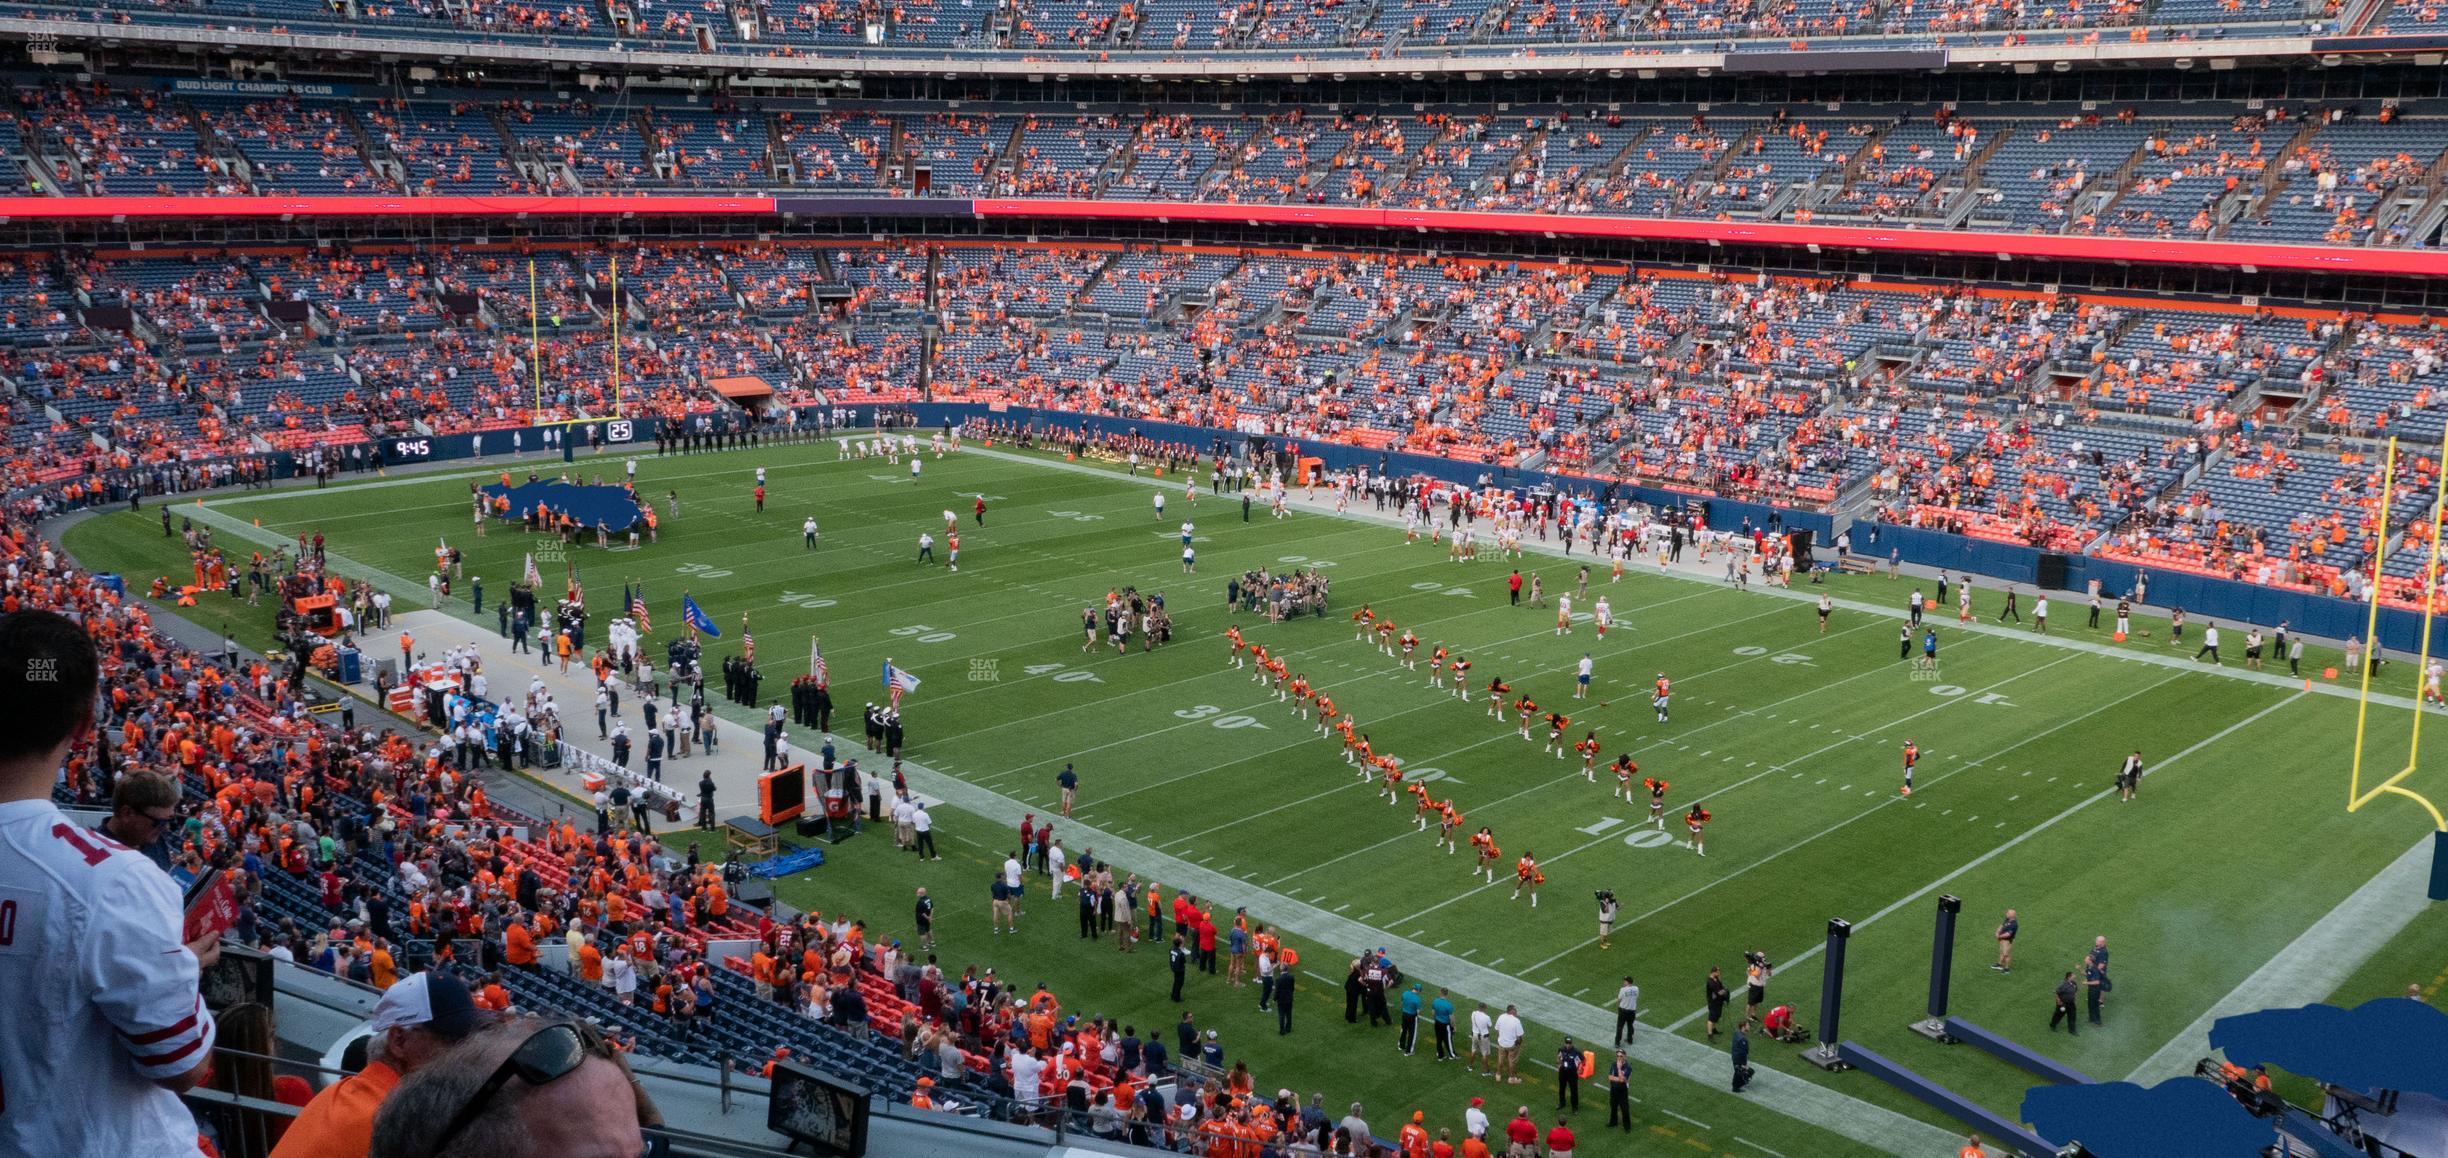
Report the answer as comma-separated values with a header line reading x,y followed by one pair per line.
x,y
1695,820
1625,770
1436,668
1496,690
1391,770
1657,801
1233,635
1449,821
1484,841
1362,620
1526,875
1326,714
1588,747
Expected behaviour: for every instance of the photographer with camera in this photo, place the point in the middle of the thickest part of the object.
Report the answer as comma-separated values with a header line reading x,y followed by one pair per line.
x,y
1756,972
1607,908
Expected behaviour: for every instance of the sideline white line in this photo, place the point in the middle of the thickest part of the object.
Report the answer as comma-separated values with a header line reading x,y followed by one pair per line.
x,y
2314,963
2019,838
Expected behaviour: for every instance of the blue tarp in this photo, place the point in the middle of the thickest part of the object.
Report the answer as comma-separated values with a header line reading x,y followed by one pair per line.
x,y
788,863
610,506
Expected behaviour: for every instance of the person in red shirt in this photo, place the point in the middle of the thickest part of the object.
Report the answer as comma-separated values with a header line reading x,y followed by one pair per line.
x,y
1523,1134
1560,1141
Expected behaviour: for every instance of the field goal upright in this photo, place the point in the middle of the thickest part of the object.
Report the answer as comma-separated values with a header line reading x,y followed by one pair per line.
x,y
535,353
2357,795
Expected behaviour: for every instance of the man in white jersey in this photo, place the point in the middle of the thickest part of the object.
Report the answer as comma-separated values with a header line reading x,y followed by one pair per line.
x,y
107,1026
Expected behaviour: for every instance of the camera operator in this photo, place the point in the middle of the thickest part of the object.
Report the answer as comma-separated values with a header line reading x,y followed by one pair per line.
x,y
1756,972
1607,908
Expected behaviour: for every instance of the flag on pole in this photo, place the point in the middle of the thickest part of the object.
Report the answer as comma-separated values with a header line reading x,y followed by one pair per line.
x,y
897,681
698,620
816,664
627,600
637,611
535,578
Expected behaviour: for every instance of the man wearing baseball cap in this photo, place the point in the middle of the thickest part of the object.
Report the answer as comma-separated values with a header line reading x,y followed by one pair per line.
x,y
416,1021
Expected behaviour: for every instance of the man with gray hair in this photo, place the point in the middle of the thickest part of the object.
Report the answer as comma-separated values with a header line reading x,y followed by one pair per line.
x,y
527,1086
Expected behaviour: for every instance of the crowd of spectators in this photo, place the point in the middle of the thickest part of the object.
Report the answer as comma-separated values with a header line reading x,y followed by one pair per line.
x,y
2063,420
2346,173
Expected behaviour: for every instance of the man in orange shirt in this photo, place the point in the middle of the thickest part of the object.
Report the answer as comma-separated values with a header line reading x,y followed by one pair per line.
x,y
416,1021
1413,1138
518,946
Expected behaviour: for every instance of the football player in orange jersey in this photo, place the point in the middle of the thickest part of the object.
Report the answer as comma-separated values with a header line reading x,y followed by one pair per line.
x,y
1665,692
1588,747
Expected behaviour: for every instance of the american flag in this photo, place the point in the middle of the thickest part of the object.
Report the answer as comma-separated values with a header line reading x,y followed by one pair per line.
x,y
637,611
898,681
816,664
747,641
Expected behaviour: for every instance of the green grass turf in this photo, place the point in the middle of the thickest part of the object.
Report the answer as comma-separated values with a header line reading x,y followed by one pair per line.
x,y
1791,738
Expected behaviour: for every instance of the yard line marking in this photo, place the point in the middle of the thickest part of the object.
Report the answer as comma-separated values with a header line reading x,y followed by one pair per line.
x,y
2316,961
1442,944
1345,905
2022,836
1757,1146
1284,747
1693,1121
1467,953
1496,962
1780,853
1364,916
1552,982
1824,748
1502,735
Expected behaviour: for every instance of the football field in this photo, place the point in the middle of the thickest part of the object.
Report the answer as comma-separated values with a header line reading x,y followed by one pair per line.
x,y
1791,738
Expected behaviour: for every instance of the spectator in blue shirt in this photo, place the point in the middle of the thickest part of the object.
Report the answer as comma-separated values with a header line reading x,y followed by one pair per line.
x,y
1410,1019
1441,1012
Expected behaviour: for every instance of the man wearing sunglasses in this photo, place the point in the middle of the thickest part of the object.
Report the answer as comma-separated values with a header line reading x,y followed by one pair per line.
x,y
106,1024
144,816
528,1086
